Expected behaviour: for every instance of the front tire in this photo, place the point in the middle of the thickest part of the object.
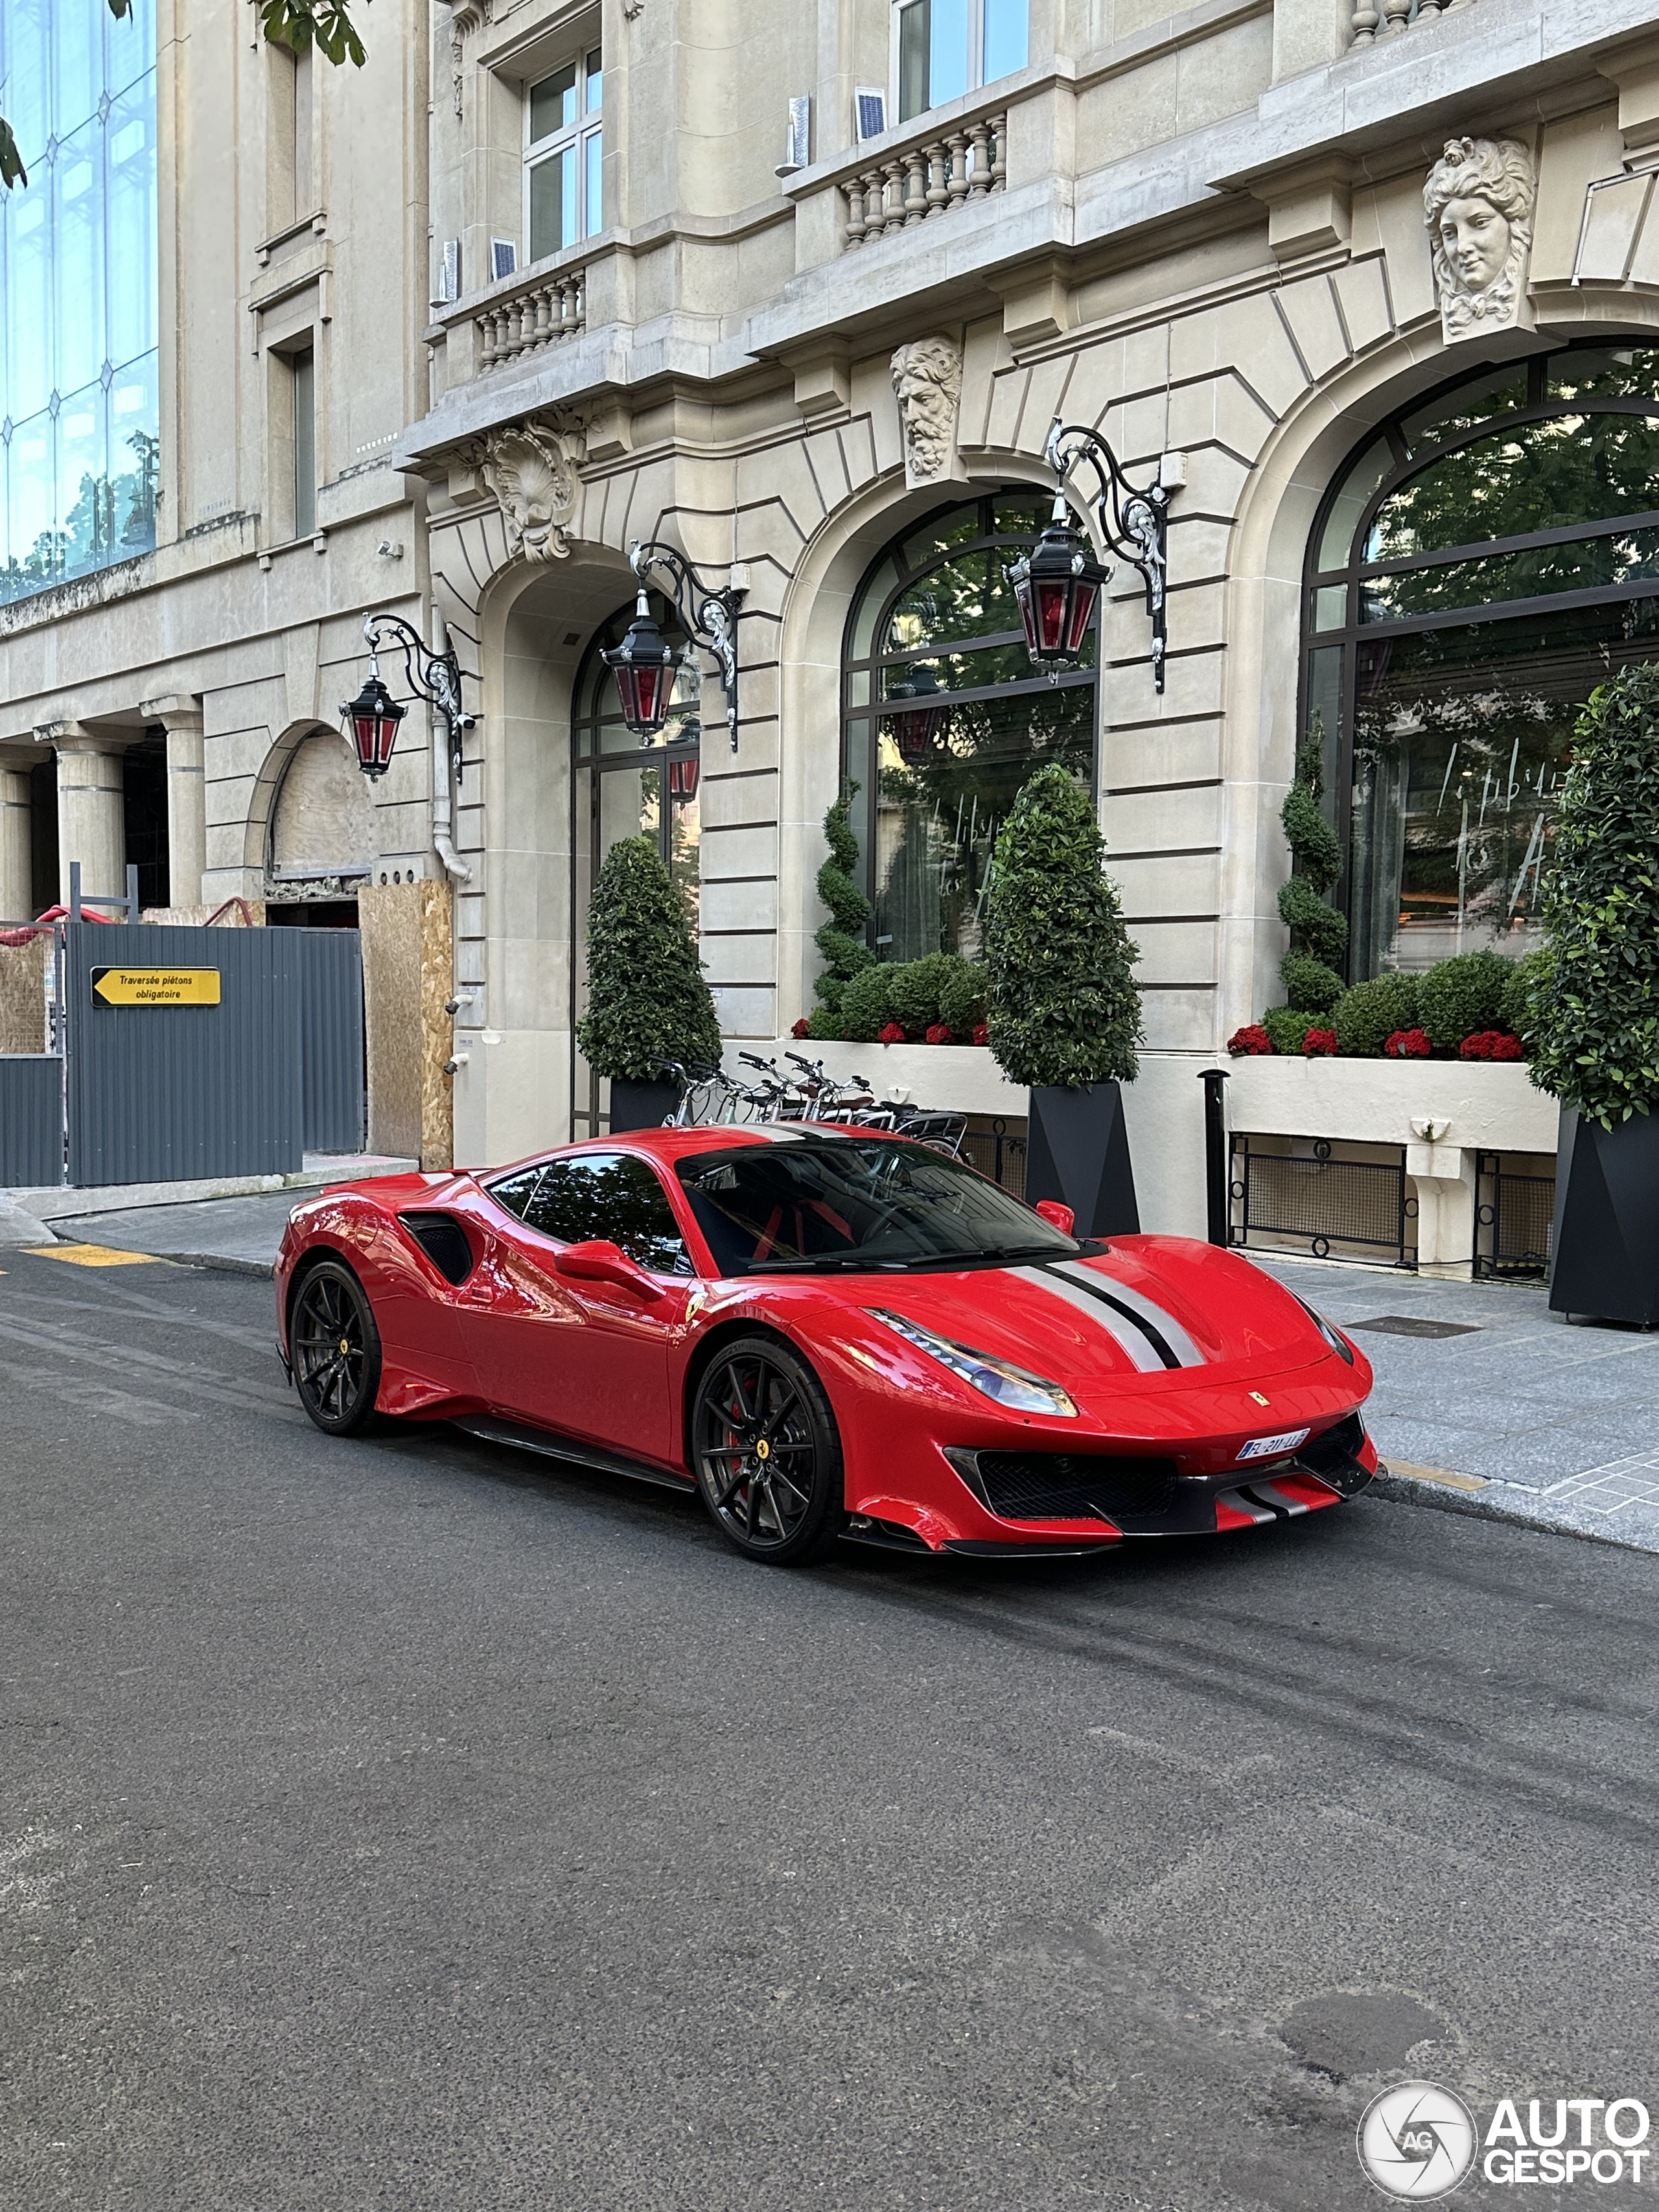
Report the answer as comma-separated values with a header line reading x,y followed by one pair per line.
x,y
335,1347
767,1454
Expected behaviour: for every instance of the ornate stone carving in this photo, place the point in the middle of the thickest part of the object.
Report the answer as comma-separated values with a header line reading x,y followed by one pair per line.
x,y
1477,204
466,15
927,383
530,467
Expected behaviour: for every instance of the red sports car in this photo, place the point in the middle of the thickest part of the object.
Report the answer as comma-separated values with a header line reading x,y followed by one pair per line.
x,y
829,1335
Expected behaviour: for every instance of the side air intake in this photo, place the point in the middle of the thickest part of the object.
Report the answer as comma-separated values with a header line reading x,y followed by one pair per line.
x,y
445,1242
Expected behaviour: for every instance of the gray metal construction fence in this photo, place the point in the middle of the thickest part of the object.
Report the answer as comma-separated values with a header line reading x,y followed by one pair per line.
x,y
162,1093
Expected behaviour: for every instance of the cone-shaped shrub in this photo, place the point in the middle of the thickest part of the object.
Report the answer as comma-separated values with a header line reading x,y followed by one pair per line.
x,y
1064,1008
1594,1025
646,999
840,939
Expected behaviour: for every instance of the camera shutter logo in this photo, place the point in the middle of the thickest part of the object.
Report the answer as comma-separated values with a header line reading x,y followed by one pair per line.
x,y
1417,2140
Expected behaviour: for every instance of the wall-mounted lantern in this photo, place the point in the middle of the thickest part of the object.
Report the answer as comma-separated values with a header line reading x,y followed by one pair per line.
x,y
644,663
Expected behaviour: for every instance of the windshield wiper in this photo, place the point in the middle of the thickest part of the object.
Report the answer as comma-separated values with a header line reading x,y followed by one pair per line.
x,y
823,1262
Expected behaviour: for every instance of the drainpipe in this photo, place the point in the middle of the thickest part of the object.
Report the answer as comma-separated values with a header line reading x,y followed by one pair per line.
x,y
446,750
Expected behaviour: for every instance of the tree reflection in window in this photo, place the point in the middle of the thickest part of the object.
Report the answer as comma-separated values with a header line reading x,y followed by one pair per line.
x,y
1485,560
945,718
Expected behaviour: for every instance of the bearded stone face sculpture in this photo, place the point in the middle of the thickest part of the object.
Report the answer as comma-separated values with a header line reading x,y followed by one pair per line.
x,y
532,470
927,384
1477,204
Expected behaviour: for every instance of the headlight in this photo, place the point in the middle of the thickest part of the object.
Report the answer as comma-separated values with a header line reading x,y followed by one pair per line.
x,y
1334,1337
1013,1387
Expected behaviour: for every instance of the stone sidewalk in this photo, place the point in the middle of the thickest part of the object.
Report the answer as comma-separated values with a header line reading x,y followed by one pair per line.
x,y
1486,1402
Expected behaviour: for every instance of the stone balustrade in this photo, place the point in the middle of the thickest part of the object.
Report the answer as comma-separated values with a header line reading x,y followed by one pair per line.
x,y
1374,19
927,179
542,312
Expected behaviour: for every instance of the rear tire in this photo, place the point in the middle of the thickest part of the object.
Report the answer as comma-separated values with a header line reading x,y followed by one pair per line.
x,y
767,1454
335,1347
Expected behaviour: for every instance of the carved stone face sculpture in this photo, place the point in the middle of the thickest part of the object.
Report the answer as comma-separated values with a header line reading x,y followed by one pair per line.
x,y
1477,204
927,383
532,470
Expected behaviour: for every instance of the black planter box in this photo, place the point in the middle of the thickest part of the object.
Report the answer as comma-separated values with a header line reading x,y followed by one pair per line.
x,y
1605,1252
1077,1152
640,1105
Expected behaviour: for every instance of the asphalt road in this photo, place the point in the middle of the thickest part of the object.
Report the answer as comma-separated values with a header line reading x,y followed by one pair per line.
x,y
409,1823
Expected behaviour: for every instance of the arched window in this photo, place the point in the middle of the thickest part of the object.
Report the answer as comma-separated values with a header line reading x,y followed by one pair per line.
x,y
1488,557
945,718
627,789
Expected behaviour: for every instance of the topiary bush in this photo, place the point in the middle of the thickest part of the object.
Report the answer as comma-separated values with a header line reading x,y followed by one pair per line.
x,y
646,999
1288,1026
1594,1013
840,939
866,1004
1527,976
1367,1015
963,997
1460,995
917,990
1064,1008
1310,982
1319,935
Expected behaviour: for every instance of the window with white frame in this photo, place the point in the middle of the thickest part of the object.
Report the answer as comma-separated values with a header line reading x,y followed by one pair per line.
x,y
564,160
943,48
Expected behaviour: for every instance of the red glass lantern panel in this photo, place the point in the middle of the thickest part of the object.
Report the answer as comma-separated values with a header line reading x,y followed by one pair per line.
x,y
683,778
371,722
644,666
1083,595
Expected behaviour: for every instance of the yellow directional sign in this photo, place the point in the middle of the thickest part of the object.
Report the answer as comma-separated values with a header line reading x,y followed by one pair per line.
x,y
155,986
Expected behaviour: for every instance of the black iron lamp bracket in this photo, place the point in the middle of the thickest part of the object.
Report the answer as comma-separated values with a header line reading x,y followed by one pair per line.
x,y
434,676
710,618
1132,520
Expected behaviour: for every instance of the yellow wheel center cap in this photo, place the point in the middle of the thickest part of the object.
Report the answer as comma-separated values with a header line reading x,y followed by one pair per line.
x,y
762,1449
345,1344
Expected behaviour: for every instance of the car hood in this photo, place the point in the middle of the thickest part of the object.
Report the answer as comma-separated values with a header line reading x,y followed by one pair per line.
x,y
1150,1313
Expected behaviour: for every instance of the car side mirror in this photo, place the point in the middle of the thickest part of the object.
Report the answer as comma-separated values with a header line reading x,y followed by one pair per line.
x,y
1057,1216
598,1261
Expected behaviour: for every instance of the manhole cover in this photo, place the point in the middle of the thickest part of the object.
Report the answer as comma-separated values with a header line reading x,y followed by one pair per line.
x,y
1407,1325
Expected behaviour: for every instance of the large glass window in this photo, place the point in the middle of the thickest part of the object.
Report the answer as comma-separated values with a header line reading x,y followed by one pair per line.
x,y
947,47
627,789
945,718
565,156
1483,562
79,412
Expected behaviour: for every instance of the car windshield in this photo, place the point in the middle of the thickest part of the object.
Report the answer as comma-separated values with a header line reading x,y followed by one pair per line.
x,y
818,1205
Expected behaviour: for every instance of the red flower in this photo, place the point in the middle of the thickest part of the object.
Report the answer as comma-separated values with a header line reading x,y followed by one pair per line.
x,y
1491,1044
981,1033
1407,1044
1252,1040
940,1035
893,1033
1318,1044
802,1028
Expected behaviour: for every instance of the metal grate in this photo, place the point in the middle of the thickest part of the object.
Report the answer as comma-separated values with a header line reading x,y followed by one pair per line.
x,y
1514,1213
1073,1486
997,1148
1319,1199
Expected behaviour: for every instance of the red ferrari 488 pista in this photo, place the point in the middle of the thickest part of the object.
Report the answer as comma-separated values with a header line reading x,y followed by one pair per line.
x,y
828,1334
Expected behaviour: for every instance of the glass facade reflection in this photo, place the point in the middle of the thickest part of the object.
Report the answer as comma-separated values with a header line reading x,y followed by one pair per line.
x,y
1479,568
79,411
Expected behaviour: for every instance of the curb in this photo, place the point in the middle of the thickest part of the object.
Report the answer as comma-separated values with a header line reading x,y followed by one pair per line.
x,y
221,1262
1403,1490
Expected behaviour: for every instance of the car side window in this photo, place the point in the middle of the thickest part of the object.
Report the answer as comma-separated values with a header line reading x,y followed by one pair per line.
x,y
611,1195
515,1192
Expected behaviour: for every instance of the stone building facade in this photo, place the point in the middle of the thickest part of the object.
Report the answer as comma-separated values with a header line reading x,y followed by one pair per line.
x,y
178,706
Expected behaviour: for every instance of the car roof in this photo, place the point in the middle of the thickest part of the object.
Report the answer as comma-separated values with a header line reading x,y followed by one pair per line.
x,y
669,1145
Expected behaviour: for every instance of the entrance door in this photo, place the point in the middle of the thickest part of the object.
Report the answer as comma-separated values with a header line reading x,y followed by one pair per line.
x,y
589,1359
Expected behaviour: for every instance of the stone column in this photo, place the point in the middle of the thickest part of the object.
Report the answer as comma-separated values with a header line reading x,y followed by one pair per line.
x,y
16,870
181,717
91,826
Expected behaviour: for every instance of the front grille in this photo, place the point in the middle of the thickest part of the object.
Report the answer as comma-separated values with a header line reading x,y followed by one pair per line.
x,y
1074,1486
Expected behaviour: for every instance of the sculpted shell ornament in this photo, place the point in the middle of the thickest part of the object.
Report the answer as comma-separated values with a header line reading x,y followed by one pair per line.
x,y
530,467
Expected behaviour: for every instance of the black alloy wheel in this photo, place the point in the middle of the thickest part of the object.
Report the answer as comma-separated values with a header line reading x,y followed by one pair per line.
x,y
336,1349
766,1453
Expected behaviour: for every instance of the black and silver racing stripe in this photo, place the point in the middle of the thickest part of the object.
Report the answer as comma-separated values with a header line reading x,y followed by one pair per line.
x,y
1153,1337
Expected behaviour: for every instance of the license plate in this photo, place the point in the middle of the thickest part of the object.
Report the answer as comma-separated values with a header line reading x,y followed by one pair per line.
x,y
1271,1447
